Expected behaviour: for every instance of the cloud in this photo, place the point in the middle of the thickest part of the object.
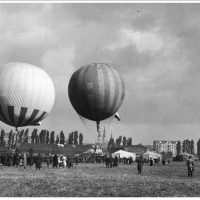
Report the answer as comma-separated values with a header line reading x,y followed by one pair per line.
x,y
144,41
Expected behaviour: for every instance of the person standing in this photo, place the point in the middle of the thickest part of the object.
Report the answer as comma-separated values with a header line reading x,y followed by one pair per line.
x,y
38,163
163,161
25,161
64,160
151,161
115,164
130,160
190,165
140,163
55,161
107,161
17,159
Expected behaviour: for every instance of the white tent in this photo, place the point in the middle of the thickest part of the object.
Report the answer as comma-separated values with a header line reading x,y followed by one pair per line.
x,y
124,154
151,154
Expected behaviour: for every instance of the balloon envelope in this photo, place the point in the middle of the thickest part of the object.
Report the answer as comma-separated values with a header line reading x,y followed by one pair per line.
x,y
96,91
27,94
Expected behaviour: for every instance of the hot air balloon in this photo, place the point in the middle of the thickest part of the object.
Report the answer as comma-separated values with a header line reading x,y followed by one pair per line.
x,y
96,91
27,94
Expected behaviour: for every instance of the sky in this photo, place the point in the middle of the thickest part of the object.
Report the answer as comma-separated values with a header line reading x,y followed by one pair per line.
x,y
153,46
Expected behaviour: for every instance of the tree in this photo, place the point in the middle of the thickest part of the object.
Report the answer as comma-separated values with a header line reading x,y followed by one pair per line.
x,y
186,146
62,138
26,136
37,139
13,141
129,141
10,138
2,137
111,144
21,135
124,141
80,138
47,137
192,147
57,139
33,136
178,148
40,136
52,137
71,138
75,137
43,136
198,148
118,141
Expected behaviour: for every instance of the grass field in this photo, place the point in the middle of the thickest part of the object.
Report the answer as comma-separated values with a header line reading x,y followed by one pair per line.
x,y
94,180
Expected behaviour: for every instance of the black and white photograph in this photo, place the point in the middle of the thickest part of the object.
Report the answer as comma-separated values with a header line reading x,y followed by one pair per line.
x,y
99,99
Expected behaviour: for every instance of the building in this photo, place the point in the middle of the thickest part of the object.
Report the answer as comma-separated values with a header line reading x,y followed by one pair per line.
x,y
165,146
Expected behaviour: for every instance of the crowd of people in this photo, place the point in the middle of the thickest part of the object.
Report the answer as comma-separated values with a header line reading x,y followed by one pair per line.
x,y
113,162
22,159
67,161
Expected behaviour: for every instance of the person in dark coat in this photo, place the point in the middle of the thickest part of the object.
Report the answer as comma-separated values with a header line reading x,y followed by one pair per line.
x,y
115,163
17,159
130,160
107,161
31,160
163,161
140,163
38,163
151,161
190,166
69,161
55,161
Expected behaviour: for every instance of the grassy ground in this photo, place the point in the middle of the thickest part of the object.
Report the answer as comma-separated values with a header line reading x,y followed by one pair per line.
x,y
94,180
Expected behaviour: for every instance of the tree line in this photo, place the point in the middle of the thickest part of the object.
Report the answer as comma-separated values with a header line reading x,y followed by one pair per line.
x,y
116,143
187,147
42,137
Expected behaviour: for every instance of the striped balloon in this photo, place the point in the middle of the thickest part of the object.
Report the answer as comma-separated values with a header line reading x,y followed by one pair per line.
x,y
96,91
27,94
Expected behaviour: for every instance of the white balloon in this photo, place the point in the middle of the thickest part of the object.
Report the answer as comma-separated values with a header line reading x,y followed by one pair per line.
x,y
27,94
